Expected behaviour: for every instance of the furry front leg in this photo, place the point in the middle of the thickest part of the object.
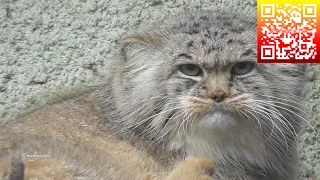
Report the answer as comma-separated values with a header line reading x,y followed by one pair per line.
x,y
193,169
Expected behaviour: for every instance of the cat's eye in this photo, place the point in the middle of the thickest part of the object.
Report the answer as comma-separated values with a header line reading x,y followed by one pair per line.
x,y
242,68
190,69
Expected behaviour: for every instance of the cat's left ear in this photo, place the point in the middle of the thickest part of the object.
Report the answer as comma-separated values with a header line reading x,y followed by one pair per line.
x,y
137,44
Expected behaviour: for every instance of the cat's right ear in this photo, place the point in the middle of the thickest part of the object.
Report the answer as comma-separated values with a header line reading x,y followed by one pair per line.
x,y
137,45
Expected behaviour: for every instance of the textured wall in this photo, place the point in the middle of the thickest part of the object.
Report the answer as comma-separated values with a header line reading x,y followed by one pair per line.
x,y
53,44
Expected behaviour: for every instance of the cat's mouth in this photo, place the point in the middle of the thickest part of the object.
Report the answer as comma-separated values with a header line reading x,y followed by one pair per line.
x,y
219,118
217,115
208,105
204,107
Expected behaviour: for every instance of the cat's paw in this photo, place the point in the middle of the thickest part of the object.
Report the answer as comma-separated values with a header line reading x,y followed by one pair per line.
x,y
193,168
16,171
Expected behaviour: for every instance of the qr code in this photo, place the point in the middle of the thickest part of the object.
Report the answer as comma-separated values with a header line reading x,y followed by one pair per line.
x,y
287,31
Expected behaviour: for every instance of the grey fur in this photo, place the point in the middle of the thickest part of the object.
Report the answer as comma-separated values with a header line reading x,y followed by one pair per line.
x,y
149,95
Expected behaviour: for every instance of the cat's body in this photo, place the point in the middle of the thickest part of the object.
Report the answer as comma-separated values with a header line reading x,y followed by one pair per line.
x,y
188,87
66,140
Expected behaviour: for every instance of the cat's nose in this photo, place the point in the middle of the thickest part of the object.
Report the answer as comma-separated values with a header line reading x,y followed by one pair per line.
x,y
218,96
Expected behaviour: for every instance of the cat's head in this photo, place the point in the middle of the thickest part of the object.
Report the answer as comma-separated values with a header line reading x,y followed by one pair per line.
x,y
203,67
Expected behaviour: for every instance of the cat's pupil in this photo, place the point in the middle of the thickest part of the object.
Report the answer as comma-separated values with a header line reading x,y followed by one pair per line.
x,y
242,65
191,67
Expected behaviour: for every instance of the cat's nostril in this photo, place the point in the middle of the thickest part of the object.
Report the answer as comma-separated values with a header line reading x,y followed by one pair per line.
x,y
218,96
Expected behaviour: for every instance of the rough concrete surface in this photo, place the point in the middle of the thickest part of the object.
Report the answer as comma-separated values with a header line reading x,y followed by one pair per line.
x,y
54,44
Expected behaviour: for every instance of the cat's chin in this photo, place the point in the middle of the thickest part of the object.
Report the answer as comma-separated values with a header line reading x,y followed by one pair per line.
x,y
218,119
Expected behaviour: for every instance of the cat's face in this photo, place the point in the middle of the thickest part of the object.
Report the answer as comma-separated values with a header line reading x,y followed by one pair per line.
x,y
231,89
204,70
